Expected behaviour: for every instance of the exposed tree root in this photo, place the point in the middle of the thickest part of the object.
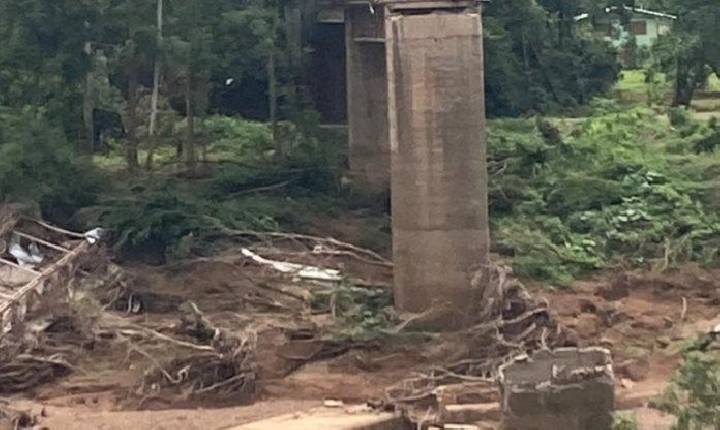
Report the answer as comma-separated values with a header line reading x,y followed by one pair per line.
x,y
211,361
512,326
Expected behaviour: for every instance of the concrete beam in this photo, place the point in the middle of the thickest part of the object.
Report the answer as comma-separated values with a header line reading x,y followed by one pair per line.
x,y
439,174
335,419
367,99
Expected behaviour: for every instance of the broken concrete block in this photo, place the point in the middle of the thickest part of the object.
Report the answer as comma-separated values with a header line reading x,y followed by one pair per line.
x,y
569,389
471,413
467,393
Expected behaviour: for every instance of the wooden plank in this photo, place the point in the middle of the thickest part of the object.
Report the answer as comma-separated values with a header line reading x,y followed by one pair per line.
x,y
8,219
42,242
57,229
429,4
19,267
369,40
67,260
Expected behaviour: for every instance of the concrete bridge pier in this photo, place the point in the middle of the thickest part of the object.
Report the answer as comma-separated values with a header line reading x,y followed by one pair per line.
x,y
367,97
436,111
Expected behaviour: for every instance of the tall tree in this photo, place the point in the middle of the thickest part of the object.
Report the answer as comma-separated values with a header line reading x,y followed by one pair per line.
x,y
691,52
156,88
190,51
43,61
536,61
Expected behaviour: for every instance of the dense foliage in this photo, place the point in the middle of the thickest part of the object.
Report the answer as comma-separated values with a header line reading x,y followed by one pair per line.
x,y
75,58
621,188
694,393
615,186
536,61
37,164
691,52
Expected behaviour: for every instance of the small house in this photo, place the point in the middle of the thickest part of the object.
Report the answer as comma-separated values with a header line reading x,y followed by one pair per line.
x,y
628,28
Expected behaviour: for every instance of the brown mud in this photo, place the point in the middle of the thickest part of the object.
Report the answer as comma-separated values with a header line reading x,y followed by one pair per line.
x,y
643,318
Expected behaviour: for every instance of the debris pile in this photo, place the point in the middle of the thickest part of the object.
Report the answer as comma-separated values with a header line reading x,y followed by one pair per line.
x,y
514,326
212,361
568,388
37,261
39,335
45,350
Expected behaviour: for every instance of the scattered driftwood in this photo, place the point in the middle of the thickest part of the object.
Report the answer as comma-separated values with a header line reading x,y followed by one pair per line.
x,y
200,360
327,245
46,259
515,325
44,352
27,371
16,419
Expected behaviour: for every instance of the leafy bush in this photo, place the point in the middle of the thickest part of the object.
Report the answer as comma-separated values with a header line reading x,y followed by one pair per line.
x,y
363,314
694,395
237,138
679,117
173,217
549,72
38,164
609,191
624,422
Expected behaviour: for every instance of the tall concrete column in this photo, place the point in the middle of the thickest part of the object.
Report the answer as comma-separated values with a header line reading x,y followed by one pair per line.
x,y
437,138
367,98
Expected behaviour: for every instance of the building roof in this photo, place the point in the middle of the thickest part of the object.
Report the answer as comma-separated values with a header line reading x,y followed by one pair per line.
x,y
638,10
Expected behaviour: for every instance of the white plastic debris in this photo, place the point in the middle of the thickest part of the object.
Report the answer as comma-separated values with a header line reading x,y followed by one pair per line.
x,y
333,403
35,252
24,258
93,236
299,270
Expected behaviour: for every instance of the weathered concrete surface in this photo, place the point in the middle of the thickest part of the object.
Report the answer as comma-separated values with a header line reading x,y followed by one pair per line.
x,y
331,419
367,99
437,139
567,389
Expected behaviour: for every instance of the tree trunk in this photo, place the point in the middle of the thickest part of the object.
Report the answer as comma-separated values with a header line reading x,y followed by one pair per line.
x,y
272,93
526,55
684,86
156,89
132,139
88,118
189,149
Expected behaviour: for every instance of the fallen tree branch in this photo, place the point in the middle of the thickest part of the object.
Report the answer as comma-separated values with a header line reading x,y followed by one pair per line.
x,y
298,237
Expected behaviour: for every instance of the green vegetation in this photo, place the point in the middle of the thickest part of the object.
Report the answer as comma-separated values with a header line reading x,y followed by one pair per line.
x,y
37,164
361,314
694,394
714,82
537,62
622,188
625,422
173,163
241,188
690,53
634,80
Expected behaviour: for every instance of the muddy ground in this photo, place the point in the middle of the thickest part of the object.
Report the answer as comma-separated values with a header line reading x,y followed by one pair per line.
x,y
643,318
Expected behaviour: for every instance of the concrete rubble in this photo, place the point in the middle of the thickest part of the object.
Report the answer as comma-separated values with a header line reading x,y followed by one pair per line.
x,y
569,389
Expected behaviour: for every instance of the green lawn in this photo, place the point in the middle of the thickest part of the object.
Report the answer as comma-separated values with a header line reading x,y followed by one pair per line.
x,y
714,83
632,80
